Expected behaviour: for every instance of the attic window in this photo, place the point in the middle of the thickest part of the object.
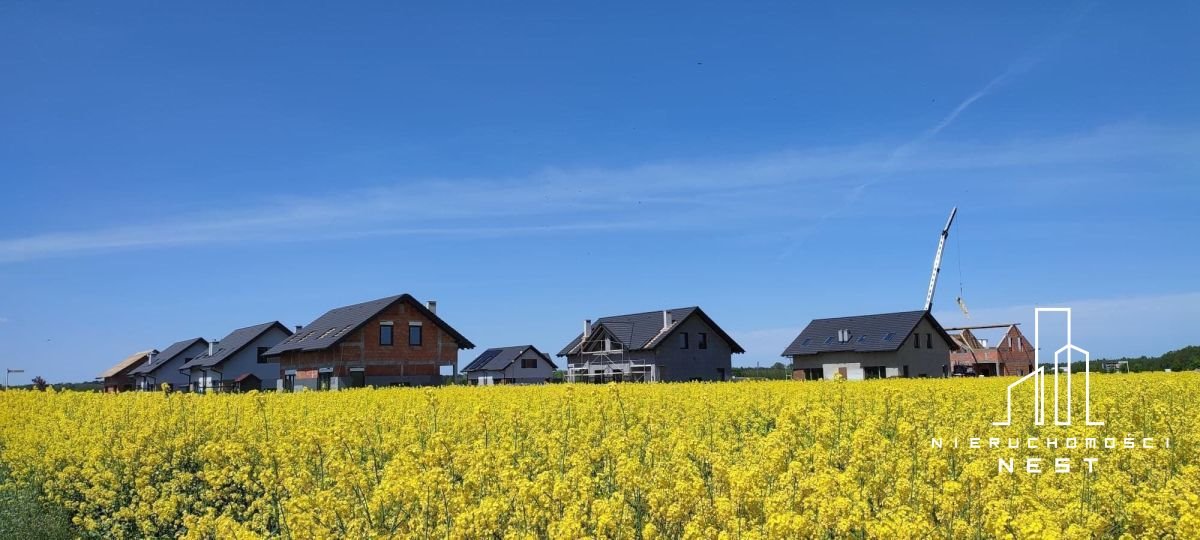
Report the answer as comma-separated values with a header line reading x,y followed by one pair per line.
x,y
805,342
862,338
829,340
889,336
343,331
327,333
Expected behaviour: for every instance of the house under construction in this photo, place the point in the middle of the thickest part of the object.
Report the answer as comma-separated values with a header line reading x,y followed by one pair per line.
x,y
670,345
1011,354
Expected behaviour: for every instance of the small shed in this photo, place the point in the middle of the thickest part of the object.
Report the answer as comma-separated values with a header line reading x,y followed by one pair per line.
x,y
247,382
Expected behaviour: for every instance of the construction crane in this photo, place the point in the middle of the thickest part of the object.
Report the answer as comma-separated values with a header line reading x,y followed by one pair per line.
x,y
937,262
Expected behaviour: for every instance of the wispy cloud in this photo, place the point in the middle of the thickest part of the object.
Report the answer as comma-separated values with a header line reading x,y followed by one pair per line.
x,y
907,149
662,196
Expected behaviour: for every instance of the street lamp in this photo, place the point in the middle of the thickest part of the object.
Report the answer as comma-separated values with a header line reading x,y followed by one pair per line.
x,y
8,372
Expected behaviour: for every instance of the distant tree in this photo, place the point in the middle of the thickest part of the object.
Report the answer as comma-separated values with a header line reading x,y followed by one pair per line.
x,y
39,383
779,365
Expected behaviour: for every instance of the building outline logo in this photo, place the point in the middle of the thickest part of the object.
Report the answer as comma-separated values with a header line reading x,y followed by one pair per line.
x,y
1038,374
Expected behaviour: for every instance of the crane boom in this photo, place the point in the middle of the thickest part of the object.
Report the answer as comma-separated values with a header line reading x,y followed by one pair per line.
x,y
937,259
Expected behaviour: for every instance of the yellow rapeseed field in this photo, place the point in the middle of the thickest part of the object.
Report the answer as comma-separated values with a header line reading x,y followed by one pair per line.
x,y
702,460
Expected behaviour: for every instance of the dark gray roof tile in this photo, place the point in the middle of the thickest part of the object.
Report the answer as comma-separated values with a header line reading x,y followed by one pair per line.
x,y
336,323
645,330
231,344
868,333
496,359
166,355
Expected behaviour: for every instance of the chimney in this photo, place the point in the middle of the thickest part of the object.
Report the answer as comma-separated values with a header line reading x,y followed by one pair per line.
x,y
587,329
666,319
150,357
212,347
299,327
432,305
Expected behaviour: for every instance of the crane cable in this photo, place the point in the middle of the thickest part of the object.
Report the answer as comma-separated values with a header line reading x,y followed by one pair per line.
x,y
958,253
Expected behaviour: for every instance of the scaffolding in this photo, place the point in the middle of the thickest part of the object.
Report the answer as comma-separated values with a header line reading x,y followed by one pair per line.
x,y
606,363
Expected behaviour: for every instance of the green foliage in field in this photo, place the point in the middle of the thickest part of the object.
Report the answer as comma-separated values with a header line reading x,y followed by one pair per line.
x,y
1185,359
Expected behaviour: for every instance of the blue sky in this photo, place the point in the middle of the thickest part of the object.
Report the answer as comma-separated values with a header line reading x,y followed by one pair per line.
x,y
177,171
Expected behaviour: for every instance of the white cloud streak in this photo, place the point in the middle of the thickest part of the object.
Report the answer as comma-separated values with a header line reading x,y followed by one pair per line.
x,y
557,201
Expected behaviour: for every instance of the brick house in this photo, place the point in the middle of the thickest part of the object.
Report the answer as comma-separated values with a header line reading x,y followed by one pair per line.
x,y
119,378
1011,354
389,341
904,344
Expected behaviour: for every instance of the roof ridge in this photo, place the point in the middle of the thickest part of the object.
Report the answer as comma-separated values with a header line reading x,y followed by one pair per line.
x,y
871,315
646,312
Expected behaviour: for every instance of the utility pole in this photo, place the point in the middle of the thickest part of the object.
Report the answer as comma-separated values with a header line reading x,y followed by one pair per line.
x,y
8,372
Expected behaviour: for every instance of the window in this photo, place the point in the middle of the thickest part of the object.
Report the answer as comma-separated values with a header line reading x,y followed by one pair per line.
x,y
414,335
916,340
529,363
829,340
928,341
814,374
889,336
905,370
385,334
805,342
702,341
358,378
289,382
261,351
324,379
683,340
874,372
862,338
1020,345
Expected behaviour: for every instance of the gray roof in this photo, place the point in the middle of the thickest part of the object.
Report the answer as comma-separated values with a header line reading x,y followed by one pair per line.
x,y
234,342
337,323
496,359
645,330
868,333
166,355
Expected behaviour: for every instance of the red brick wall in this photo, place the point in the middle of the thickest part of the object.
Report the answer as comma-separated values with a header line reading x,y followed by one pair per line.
x,y
1014,360
361,348
1018,357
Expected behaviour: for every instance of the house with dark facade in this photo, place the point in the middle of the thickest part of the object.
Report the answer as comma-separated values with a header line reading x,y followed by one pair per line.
x,y
520,364
163,367
389,341
905,344
119,378
681,344
1010,354
240,352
